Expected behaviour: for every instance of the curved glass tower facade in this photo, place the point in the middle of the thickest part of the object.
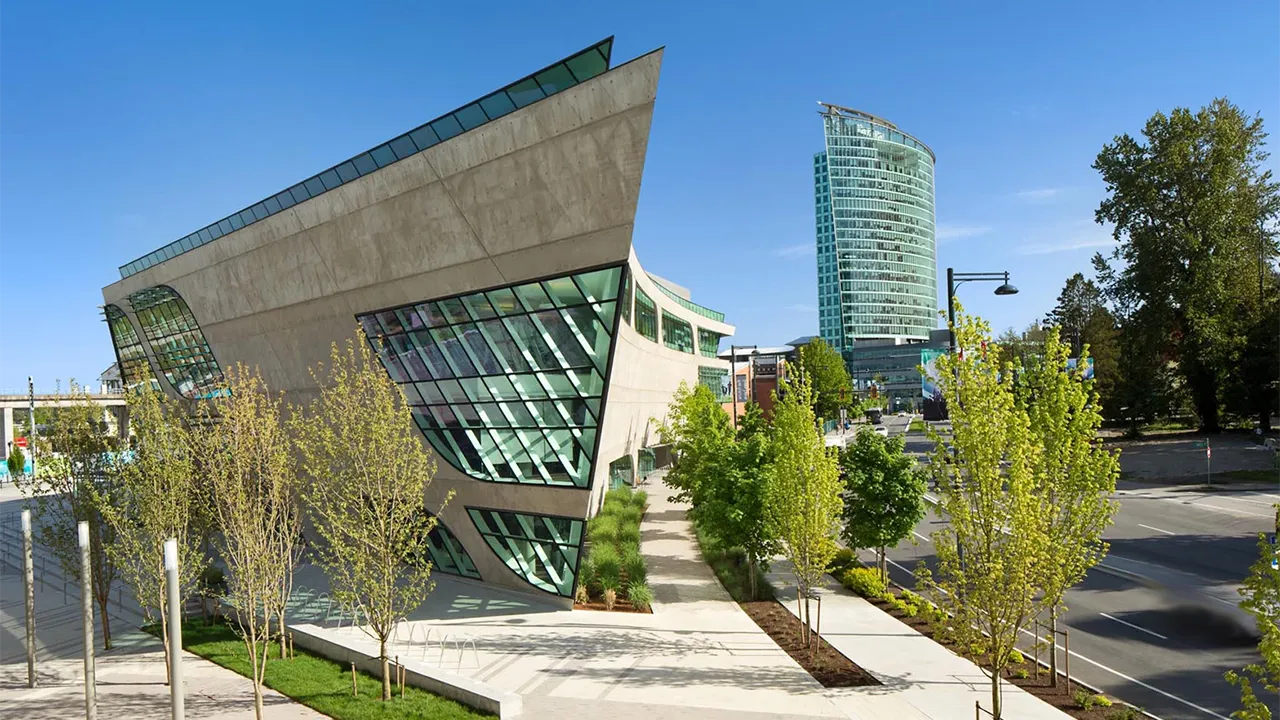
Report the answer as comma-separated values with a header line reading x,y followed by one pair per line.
x,y
877,257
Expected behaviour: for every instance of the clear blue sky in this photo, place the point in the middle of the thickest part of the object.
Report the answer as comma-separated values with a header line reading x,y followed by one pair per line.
x,y
124,126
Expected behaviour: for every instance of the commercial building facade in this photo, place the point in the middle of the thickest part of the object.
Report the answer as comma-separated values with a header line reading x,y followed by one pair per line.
x,y
876,244
487,255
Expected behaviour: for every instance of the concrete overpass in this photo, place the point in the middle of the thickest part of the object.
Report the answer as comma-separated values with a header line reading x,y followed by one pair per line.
x,y
114,407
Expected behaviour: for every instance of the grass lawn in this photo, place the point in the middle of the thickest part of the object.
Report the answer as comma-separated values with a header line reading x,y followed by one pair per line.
x,y
916,426
318,683
1247,476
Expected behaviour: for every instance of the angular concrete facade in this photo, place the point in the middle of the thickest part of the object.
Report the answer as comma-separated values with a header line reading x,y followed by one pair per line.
x,y
547,192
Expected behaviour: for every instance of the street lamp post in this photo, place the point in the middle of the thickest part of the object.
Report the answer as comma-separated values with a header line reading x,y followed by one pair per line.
x,y
954,280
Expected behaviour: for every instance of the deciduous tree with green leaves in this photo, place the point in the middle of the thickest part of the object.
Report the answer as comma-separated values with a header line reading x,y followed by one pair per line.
x,y
884,494
989,555
1075,474
804,492
1194,214
1261,592
700,433
247,453
152,501
75,469
828,376
367,474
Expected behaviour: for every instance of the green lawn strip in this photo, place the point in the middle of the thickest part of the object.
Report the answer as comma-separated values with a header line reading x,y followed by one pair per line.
x,y
319,683
916,426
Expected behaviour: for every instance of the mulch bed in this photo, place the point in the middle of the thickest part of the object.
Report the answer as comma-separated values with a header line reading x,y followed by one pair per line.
x,y
621,605
1037,682
823,662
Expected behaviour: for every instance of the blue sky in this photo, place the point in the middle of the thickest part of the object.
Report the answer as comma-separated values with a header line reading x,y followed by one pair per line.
x,y
124,126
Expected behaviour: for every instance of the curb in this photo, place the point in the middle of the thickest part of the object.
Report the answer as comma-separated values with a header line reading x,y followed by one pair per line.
x,y
1125,574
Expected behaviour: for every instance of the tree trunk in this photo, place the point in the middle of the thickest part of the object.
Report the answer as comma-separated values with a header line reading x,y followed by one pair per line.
x,y
280,628
1264,417
386,669
1053,647
751,568
257,701
883,565
995,695
164,642
106,623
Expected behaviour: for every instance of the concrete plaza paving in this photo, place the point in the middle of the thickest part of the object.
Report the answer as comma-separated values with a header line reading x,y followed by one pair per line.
x,y
697,656
130,677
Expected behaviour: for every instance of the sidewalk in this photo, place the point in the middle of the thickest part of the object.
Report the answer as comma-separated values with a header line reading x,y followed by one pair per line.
x,y
924,679
130,679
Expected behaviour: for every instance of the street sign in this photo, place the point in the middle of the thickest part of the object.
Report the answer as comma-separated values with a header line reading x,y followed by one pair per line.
x,y
20,442
1271,538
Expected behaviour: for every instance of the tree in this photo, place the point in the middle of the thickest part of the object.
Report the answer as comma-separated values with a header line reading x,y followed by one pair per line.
x,y
803,494
75,468
884,494
1261,592
699,432
152,501
17,462
247,454
1075,475
828,376
989,555
1191,206
367,475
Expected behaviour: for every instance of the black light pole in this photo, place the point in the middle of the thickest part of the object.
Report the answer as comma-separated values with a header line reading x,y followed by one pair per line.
x,y
955,280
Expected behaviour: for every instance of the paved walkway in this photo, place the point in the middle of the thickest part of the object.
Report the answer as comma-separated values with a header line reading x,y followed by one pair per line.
x,y
697,656
130,679
921,679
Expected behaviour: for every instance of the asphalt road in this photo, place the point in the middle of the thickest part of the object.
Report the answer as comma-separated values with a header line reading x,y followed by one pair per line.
x,y
1162,644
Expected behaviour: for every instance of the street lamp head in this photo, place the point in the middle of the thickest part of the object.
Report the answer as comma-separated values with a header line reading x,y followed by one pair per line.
x,y
1006,289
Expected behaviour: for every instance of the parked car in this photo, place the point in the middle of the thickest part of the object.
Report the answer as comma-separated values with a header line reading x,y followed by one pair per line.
x,y
881,430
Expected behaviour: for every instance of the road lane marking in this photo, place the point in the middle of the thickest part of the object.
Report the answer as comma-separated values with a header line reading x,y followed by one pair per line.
x,y
1113,671
1135,627
1166,532
1229,511
922,537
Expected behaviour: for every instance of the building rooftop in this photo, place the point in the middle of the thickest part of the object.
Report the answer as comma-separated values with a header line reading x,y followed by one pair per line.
x,y
841,111
556,77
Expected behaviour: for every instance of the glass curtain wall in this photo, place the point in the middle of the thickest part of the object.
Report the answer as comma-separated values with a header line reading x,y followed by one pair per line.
x,y
541,549
507,384
177,343
129,352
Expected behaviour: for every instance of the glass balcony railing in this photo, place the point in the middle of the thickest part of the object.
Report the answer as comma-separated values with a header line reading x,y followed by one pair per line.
x,y
688,304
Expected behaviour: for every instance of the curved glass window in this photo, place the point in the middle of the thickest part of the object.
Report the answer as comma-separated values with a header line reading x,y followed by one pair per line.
x,y
709,343
646,315
542,549
177,343
129,352
507,384
676,333
447,553
717,381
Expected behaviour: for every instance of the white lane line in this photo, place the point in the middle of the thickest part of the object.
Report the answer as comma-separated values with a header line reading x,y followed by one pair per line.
x,y
1229,511
1166,532
1113,671
922,537
1135,627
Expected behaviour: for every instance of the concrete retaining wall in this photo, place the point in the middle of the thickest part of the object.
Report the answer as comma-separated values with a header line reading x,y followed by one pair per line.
x,y
363,652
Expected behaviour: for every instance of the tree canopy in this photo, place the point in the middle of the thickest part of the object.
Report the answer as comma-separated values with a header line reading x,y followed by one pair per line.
x,y
884,493
828,376
1194,217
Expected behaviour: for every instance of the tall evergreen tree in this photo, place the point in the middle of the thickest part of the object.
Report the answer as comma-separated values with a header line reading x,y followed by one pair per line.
x,y
1192,208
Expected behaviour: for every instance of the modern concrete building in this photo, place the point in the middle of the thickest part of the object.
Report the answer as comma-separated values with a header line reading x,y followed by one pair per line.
x,y
487,254
876,256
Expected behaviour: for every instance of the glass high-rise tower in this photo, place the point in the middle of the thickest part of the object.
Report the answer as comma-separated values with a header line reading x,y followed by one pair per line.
x,y
877,257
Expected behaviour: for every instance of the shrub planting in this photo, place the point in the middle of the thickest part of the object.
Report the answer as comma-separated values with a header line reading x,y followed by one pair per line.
x,y
864,581
613,565
640,595
843,560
